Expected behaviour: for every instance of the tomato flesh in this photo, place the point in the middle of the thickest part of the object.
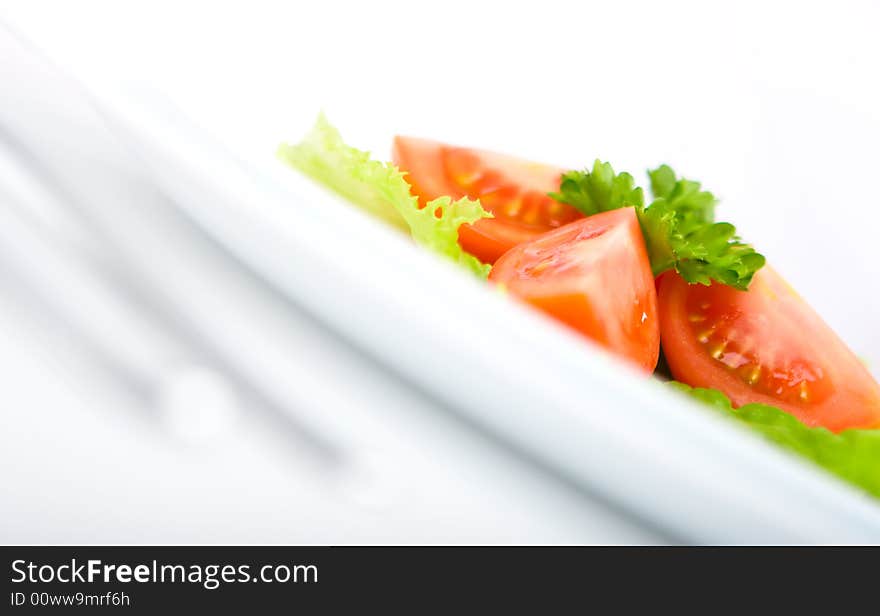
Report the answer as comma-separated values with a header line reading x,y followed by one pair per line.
x,y
593,275
765,345
513,190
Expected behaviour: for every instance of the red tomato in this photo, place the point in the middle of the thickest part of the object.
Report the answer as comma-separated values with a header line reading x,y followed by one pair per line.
x,y
594,276
765,345
514,190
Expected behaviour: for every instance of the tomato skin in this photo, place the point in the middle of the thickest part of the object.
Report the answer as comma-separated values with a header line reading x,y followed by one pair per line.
x,y
593,275
489,238
765,345
513,190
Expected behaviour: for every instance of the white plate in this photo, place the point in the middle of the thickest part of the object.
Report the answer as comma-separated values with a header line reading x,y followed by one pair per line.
x,y
577,411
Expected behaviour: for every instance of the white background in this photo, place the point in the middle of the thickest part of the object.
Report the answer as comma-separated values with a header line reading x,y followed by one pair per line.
x,y
772,105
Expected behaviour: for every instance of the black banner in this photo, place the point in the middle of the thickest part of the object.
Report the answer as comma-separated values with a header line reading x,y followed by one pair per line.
x,y
155,580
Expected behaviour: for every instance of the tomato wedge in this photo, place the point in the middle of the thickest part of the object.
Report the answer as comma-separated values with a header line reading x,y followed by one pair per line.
x,y
594,276
513,190
765,345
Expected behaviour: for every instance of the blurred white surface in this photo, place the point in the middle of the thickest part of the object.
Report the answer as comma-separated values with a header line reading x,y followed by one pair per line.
x,y
87,459
782,126
772,105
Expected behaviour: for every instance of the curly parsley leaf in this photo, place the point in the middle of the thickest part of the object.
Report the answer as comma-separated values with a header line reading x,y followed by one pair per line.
x,y
853,455
684,196
682,234
678,225
598,190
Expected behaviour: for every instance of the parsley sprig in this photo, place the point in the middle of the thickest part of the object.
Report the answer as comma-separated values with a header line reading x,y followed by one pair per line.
x,y
678,225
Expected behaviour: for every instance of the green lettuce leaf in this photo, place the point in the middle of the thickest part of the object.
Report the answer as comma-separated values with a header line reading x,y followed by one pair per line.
x,y
678,226
381,189
852,455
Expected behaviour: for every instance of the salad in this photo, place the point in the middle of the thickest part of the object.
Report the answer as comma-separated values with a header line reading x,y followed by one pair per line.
x,y
655,280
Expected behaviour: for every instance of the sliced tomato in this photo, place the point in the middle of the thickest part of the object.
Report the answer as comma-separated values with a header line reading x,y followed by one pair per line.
x,y
765,345
513,190
594,276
